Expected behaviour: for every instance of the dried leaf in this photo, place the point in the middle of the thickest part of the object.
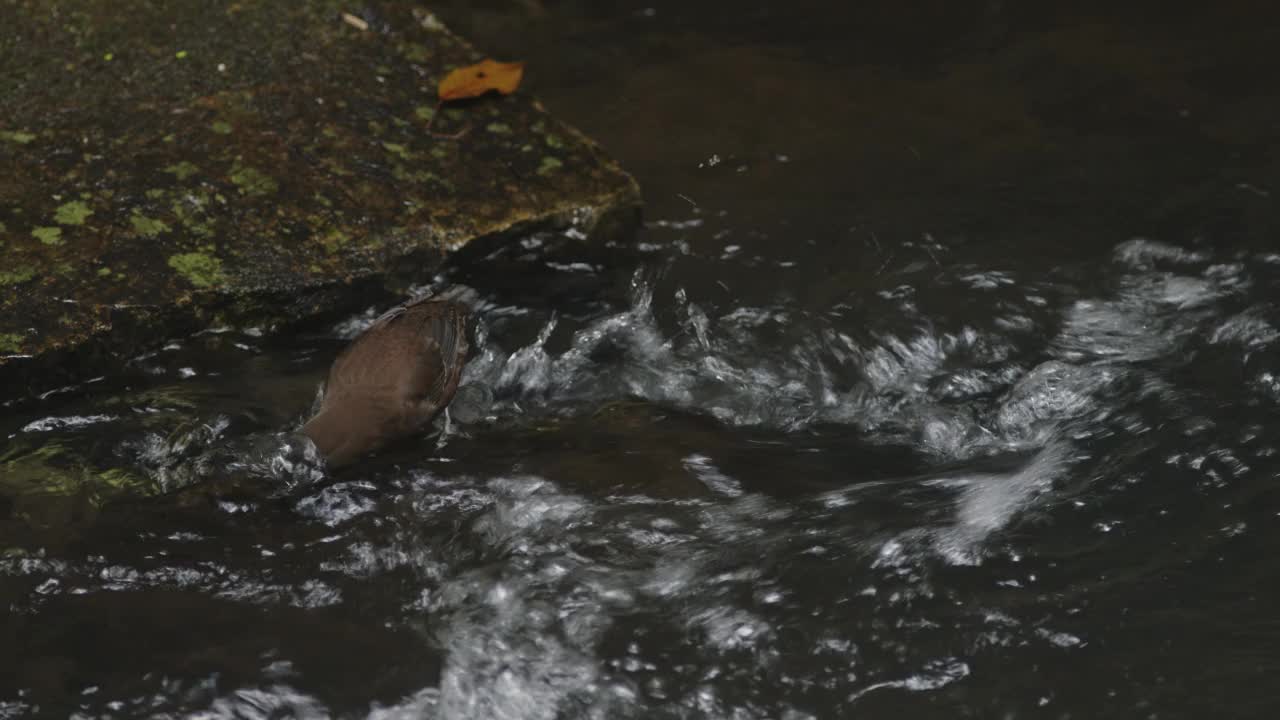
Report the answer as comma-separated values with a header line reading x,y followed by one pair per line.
x,y
476,80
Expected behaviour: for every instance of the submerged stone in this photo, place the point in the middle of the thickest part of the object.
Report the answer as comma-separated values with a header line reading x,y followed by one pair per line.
x,y
166,166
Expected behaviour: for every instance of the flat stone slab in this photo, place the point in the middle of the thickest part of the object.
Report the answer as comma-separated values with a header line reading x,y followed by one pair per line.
x,y
168,166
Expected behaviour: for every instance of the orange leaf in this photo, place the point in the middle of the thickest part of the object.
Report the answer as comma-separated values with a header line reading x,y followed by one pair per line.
x,y
476,80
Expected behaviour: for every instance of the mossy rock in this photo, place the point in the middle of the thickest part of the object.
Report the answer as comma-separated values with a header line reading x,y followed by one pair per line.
x,y
164,166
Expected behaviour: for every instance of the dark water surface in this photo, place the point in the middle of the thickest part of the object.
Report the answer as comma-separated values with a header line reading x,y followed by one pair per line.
x,y
942,382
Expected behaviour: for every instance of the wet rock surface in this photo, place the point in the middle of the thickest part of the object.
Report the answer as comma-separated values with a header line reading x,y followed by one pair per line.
x,y
170,167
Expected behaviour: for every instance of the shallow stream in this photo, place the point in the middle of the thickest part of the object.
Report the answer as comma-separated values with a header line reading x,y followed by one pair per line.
x,y
939,383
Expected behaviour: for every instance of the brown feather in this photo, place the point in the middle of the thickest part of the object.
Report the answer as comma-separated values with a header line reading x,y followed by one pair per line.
x,y
392,380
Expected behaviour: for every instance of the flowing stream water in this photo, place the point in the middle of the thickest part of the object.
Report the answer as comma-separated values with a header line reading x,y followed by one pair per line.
x,y
918,395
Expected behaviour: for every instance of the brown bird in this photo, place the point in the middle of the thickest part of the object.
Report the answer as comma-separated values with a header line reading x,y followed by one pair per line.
x,y
392,380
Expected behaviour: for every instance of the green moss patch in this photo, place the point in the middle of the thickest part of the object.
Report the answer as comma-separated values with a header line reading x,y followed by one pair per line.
x,y
549,165
334,239
251,181
182,170
398,150
199,269
16,136
13,277
147,227
72,213
48,235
